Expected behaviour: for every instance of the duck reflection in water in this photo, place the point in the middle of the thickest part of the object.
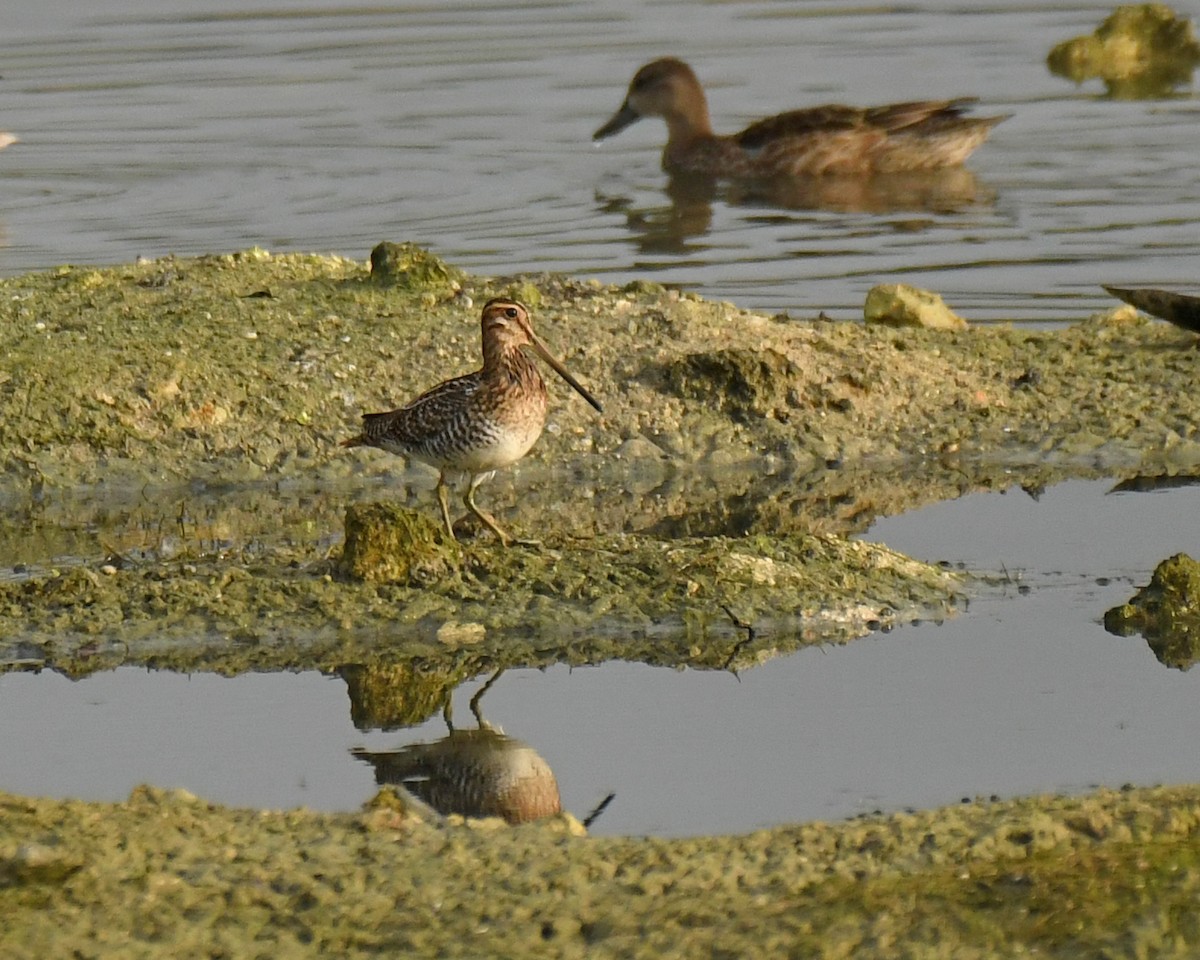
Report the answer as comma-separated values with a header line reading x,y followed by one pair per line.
x,y
474,773
688,216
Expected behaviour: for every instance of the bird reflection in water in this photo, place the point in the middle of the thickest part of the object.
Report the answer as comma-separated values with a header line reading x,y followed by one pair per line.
x,y
474,773
676,227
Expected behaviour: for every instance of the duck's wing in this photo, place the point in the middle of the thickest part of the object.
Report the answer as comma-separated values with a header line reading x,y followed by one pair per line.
x,y
799,123
835,117
894,117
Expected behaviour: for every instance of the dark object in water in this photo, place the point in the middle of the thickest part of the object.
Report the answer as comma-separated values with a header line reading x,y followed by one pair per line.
x,y
1177,308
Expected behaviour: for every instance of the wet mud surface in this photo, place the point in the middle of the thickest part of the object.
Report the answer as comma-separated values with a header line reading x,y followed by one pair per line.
x,y
168,874
176,498
170,454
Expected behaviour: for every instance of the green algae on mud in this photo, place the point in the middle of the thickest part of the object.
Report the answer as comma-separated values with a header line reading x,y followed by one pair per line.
x,y
1166,612
246,366
1112,874
701,602
688,525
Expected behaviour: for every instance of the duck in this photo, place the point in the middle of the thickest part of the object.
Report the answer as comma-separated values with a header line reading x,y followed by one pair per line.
x,y
817,141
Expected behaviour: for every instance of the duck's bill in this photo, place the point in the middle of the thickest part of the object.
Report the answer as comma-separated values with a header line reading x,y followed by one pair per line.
x,y
618,122
565,374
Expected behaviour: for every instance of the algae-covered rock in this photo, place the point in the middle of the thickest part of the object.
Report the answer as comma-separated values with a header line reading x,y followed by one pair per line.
x,y
1140,50
1166,613
414,269
746,384
388,543
901,305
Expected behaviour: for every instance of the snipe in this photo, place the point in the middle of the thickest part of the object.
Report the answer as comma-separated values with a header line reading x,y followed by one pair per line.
x,y
477,423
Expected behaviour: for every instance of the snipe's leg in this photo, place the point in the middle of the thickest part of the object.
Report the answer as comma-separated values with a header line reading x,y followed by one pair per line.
x,y
476,707
443,493
488,520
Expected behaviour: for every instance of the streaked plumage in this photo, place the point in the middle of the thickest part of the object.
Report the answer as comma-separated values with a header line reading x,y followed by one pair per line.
x,y
475,773
480,422
830,139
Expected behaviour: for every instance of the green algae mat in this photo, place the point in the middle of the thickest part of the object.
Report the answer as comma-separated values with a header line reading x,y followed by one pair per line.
x,y
176,498
169,438
165,874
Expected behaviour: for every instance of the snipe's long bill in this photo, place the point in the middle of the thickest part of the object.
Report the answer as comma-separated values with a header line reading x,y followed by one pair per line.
x,y
482,421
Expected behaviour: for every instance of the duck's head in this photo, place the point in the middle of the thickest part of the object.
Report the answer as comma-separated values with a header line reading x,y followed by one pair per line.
x,y
664,88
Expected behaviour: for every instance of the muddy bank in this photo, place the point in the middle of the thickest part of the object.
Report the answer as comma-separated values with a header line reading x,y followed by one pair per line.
x,y
176,494
168,874
711,603
247,366
174,497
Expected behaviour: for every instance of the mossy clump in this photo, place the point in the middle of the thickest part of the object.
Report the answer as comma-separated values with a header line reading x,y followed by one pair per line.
x,y
413,269
387,543
1139,51
1166,613
746,384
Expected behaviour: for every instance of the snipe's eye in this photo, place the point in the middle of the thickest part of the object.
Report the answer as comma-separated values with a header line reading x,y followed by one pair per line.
x,y
510,312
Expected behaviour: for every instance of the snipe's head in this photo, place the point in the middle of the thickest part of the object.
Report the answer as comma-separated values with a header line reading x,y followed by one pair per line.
x,y
664,88
506,328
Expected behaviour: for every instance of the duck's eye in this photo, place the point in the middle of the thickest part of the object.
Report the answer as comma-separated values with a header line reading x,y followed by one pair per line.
x,y
510,312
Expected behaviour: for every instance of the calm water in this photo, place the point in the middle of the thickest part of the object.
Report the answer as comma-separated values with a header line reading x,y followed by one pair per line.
x,y
1025,693
208,126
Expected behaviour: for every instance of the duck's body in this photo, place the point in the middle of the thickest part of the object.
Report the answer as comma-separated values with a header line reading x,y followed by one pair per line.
x,y
831,139
477,423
